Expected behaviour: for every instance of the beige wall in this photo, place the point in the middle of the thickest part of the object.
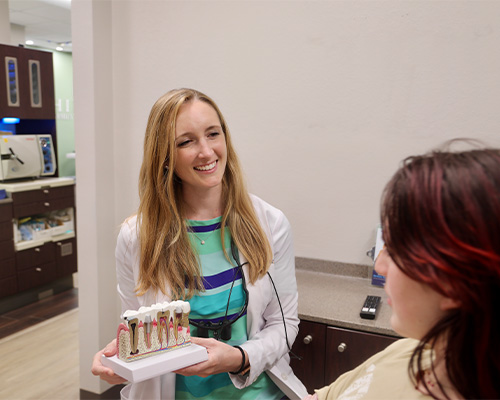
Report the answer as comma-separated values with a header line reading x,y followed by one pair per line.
x,y
323,99
4,23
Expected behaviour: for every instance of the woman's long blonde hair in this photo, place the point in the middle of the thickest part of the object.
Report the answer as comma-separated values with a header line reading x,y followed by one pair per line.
x,y
167,260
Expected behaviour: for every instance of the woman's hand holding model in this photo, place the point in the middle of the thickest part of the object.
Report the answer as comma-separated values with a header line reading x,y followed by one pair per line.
x,y
106,373
221,358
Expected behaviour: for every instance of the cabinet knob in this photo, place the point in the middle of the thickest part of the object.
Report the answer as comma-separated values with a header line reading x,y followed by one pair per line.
x,y
37,249
342,347
46,204
38,269
308,339
46,191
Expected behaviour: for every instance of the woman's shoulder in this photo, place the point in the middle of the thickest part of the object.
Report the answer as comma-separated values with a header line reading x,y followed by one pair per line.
x,y
262,206
269,215
128,229
402,347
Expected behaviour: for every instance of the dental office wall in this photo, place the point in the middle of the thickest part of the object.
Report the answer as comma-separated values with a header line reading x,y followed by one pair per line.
x,y
323,100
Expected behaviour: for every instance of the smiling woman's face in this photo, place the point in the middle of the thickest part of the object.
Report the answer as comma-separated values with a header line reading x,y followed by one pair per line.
x,y
201,147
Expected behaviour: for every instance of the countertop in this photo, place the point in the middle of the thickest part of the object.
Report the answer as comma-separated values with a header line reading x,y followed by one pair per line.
x,y
335,297
35,184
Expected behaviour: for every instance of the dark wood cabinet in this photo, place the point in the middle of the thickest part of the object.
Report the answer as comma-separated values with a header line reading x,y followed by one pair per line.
x,y
8,276
327,352
26,83
31,264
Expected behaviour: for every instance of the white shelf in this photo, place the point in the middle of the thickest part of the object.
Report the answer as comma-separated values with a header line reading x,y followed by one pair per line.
x,y
29,244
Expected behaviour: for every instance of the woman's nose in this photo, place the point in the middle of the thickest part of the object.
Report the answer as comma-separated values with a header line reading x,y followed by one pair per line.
x,y
381,262
205,149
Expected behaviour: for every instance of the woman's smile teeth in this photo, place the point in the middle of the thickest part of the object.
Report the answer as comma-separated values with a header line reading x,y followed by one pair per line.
x,y
207,167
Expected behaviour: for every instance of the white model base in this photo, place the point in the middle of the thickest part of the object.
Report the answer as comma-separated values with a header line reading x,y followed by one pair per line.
x,y
150,367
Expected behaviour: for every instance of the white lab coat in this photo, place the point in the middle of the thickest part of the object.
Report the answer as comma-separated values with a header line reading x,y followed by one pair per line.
x,y
266,345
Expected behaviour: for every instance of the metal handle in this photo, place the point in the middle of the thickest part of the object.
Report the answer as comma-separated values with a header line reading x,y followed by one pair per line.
x,y
46,191
59,243
38,269
37,249
46,204
342,347
308,339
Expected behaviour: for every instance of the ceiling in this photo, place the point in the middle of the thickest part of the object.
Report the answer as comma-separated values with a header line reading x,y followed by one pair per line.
x,y
46,22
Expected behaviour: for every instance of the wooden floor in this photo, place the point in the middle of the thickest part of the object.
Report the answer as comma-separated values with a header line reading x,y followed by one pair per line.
x,y
27,316
40,356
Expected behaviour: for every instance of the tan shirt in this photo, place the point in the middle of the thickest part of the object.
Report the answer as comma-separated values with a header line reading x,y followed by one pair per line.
x,y
383,376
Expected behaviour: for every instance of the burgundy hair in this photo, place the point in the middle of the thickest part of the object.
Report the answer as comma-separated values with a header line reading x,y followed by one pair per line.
x,y
441,224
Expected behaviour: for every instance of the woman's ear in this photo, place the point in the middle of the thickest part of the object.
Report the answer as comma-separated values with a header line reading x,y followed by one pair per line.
x,y
448,304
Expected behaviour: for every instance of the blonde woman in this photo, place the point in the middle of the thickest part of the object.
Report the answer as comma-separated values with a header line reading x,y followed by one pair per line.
x,y
198,235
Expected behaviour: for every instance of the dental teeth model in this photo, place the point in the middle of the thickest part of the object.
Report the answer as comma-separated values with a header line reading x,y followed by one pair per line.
x,y
153,330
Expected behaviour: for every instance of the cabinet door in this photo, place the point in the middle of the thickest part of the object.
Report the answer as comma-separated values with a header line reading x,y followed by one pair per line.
x,y
66,257
6,230
346,349
26,83
6,249
6,212
7,268
8,286
12,87
310,347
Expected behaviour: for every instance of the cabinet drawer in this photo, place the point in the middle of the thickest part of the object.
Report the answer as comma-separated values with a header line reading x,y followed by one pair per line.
x,y
40,195
7,268
66,257
6,212
34,208
36,276
8,286
6,230
6,249
35,256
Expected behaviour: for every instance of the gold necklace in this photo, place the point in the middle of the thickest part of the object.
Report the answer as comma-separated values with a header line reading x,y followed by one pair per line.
x,y
208,237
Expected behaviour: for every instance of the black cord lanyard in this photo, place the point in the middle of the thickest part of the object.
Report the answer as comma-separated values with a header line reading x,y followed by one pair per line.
x,y
222,329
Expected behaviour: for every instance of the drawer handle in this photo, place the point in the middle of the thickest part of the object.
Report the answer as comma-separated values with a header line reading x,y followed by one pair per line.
x,y
38,269
46,204
308,339
342,347
46,191
37,249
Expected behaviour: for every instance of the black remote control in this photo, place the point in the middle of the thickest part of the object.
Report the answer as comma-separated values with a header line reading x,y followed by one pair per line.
x,y
370,307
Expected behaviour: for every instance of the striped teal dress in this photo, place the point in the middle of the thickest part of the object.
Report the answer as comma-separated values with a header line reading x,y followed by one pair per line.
x,y
211,305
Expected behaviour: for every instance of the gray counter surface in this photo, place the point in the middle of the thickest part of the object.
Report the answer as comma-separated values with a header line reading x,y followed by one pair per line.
x,y
336,299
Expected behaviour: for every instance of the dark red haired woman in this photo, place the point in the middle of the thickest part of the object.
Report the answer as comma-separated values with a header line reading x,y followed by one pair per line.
x,y
441,225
